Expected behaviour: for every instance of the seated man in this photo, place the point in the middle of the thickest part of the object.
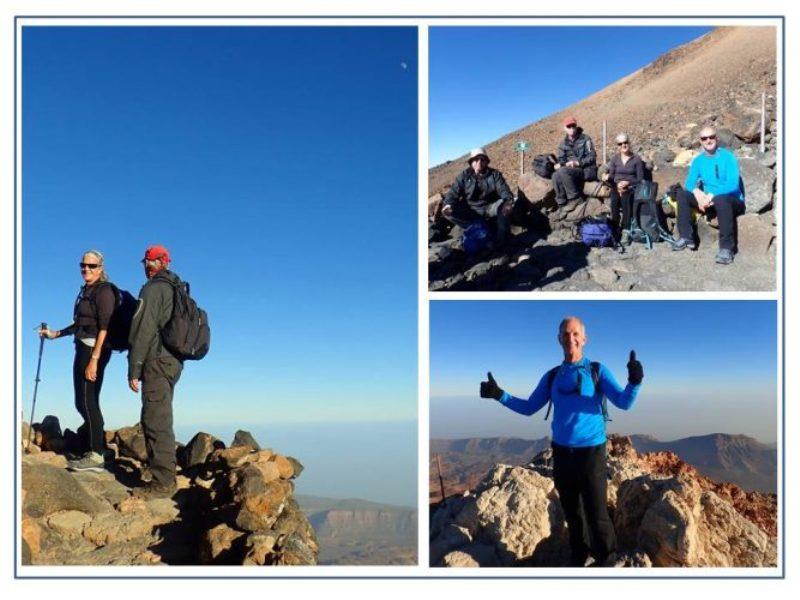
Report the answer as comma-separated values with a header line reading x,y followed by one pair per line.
x,y
479,193
712,186
577,163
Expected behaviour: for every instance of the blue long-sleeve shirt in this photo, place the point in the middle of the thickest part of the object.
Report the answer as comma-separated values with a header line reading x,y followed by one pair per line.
x,y
719,173
577,405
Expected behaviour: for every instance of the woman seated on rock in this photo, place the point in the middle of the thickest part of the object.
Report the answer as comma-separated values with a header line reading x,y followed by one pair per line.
x,y
625,171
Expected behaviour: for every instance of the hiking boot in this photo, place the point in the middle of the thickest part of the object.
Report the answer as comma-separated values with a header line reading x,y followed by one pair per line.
x,y
151,491
724,257
625,238
91,461
561,201
682,244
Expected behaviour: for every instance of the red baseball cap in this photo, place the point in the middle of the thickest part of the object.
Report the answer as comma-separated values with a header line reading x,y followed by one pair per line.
x,y
570,121
156,253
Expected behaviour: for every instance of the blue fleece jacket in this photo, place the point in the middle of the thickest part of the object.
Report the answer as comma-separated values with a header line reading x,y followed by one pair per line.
x,y
577,405
719,173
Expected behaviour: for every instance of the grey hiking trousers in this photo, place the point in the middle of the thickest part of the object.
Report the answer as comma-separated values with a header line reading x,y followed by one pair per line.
x,y
159,376
568,184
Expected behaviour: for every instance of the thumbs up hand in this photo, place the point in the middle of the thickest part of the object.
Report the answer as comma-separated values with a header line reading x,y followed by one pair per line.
x,y
490,389
635,371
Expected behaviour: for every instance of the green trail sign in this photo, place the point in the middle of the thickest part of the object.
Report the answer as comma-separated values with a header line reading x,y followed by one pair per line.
x,y
522,146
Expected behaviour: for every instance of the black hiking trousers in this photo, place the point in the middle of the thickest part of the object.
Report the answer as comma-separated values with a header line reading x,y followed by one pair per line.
x,y
87,396
568,184
726,206
159,376
580,476
623,203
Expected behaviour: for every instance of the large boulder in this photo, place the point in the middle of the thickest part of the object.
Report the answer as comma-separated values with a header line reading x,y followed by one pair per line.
x,y
50,489
678,524
512,512
759,185
535,189
745,123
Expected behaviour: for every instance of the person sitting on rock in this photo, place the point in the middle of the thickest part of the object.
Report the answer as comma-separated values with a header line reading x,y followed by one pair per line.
x,y
480,193
576,391
625,171
577,163
712,187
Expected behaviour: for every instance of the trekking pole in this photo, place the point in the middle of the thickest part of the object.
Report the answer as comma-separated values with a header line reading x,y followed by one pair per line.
x,y
441,481
36,384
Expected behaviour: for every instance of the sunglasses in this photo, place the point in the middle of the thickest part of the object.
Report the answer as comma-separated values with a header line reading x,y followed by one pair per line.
x,y
622,143
704,138
573,126
91,266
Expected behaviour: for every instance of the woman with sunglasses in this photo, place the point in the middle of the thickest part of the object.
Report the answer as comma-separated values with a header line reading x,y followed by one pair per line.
x,y
91,316
625,171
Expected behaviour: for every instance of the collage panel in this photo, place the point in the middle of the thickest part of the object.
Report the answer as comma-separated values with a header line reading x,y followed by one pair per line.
x,y
637,158
583,433
250,416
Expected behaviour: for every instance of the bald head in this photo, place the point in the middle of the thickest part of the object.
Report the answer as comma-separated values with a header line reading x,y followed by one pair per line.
x,y
708,139
571,319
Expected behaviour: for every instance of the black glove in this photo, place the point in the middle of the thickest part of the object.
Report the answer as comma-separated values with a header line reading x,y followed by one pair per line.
x,y
635,371
490,389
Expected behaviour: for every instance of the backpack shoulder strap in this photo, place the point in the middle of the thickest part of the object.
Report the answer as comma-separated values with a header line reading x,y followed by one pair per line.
x,y
551,377
595,367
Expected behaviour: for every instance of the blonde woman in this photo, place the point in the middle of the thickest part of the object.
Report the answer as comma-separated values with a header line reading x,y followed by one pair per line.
x,y
92,313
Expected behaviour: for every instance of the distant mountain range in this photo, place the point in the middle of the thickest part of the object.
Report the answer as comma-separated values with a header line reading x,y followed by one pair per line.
x,y
360,532
722,457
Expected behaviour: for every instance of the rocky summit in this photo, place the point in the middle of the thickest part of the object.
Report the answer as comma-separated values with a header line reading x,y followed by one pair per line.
x,y
233,505
665,514
717,80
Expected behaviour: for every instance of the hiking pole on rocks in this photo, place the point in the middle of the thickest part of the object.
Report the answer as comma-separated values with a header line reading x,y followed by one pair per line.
x,y
441,481
36,384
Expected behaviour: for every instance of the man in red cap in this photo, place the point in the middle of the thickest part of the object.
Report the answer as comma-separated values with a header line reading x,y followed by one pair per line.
x,y
577,162
155,370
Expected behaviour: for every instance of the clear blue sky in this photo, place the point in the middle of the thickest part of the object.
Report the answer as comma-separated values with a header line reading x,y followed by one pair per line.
x,y
710,366
279,167
486,82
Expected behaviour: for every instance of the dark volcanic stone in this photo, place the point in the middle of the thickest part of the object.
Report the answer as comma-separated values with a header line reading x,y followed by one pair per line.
x,y
244,438
198,449
130,442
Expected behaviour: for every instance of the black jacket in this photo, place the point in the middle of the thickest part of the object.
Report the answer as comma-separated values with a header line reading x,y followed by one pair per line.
x,y
479,191
153,312
581,149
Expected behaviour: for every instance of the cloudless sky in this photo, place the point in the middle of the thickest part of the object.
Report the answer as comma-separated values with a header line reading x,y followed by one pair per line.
x,y
710,366
486,82
279,167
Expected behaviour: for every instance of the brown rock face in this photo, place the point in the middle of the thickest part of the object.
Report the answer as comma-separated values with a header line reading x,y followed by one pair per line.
x,y
232,507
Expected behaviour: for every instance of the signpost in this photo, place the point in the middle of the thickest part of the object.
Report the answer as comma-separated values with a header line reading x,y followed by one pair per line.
x,y
521,147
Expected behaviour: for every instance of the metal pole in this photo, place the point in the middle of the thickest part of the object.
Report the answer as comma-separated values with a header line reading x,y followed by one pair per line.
x,y
604,141
36,385
441,481
522,162
762,145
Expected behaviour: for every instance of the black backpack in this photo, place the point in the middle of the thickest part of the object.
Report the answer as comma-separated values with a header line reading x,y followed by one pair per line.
x,y
187,334
595,369
119,327
544,165
647,220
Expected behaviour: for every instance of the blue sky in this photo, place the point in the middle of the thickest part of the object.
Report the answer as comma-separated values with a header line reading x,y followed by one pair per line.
x,y
705,370
485,82
279,167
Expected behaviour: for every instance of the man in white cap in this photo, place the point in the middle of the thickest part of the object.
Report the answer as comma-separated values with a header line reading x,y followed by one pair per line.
x,y
480,193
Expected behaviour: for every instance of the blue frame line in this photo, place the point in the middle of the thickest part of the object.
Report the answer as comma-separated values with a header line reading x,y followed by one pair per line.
x,y
782,504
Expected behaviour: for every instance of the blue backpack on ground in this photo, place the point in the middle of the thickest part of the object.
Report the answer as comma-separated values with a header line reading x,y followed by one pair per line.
x,y
596,232
476,237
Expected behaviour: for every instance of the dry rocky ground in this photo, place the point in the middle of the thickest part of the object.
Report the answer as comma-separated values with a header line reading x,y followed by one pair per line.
x,y
233,506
